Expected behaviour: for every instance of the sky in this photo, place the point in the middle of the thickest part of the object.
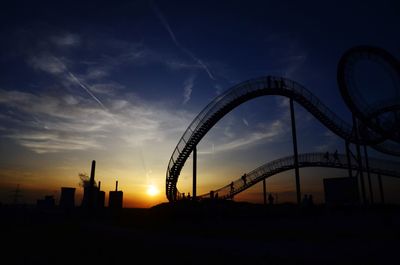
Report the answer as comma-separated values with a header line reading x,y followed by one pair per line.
x,y
119,82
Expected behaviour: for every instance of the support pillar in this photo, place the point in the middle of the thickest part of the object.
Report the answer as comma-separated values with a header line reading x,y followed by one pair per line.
x,y
371,194
381,188
265,192
359,160
349,159
296,156
194,172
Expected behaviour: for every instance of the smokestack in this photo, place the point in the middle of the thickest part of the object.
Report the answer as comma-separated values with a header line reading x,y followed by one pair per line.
x,y
116,185
99,184
92,173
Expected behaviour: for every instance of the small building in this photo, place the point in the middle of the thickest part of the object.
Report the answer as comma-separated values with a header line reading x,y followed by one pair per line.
x,y
47,203
67,199
115,198
341,191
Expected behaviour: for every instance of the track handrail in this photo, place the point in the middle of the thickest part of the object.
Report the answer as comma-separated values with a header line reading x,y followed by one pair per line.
x,y
268,85
378,166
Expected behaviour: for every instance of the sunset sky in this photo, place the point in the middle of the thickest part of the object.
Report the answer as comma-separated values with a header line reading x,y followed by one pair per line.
x,y
119,81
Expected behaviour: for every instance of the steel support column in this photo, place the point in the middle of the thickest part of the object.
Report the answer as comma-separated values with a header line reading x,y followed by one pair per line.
x,y
194,172
296,156
265,192
359,160
381,188
371,194
349,158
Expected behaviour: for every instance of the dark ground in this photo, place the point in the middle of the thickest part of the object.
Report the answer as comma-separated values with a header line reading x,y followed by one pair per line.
x,y
202,233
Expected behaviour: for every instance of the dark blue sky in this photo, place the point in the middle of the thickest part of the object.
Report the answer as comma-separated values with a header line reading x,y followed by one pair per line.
x,y
86,78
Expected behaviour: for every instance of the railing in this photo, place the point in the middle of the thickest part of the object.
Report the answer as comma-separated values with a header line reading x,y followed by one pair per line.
x,y
242,92
378,166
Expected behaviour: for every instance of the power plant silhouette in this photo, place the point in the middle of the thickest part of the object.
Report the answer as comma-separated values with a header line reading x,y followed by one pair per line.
x,y
93,196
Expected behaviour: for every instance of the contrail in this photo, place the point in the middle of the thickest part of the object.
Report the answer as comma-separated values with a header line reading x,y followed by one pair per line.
x,y
165,23
82,85
86,89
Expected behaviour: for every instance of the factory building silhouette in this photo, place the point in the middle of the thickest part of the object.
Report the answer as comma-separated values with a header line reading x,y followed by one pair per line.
x,y
115,198
67,199
93,196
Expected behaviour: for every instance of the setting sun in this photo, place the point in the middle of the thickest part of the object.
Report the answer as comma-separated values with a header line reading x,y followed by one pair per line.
x,y
152,190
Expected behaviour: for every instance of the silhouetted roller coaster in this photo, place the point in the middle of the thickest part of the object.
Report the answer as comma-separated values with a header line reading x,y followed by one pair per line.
x,y
375,126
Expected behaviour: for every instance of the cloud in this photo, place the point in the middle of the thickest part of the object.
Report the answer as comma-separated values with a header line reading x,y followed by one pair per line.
x,y
95,73
66,40
49,124
109,88
52,142
47,63
331,142
187,88
267,132
293,63
53,65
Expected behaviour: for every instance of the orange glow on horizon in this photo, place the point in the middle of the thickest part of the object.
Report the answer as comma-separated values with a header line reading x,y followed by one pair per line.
x,y
152,190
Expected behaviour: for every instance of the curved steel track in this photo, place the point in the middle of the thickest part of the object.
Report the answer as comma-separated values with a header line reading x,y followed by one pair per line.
x,y
263,86
378,166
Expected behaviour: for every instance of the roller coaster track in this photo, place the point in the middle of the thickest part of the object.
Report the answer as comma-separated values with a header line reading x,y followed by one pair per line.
x,y
263,86
378,166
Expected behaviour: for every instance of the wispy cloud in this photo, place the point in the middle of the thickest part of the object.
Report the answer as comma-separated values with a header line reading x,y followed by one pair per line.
x,y
330,142
66,40
48,124
187,88
53,65
269,133
47,63
167,27
266,132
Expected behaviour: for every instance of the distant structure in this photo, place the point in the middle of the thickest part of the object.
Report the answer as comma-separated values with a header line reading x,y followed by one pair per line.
x,y
341,191
16,195
67,199
90,192
115,198
47,203
101,195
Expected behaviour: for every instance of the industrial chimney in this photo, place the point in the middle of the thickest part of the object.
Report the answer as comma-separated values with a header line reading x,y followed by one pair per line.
x,y
92,172
90,192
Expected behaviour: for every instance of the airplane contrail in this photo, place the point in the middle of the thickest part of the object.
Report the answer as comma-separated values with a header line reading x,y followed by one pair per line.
x,y
82,85
166,25
86,89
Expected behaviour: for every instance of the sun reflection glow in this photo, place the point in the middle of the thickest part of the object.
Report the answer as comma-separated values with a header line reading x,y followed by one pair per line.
x,y
152,190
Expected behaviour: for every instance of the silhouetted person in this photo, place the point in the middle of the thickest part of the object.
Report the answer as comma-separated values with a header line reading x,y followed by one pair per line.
x,y
310,200
216,196
244,179
231,187
305,200
335,155
188,196
270,199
